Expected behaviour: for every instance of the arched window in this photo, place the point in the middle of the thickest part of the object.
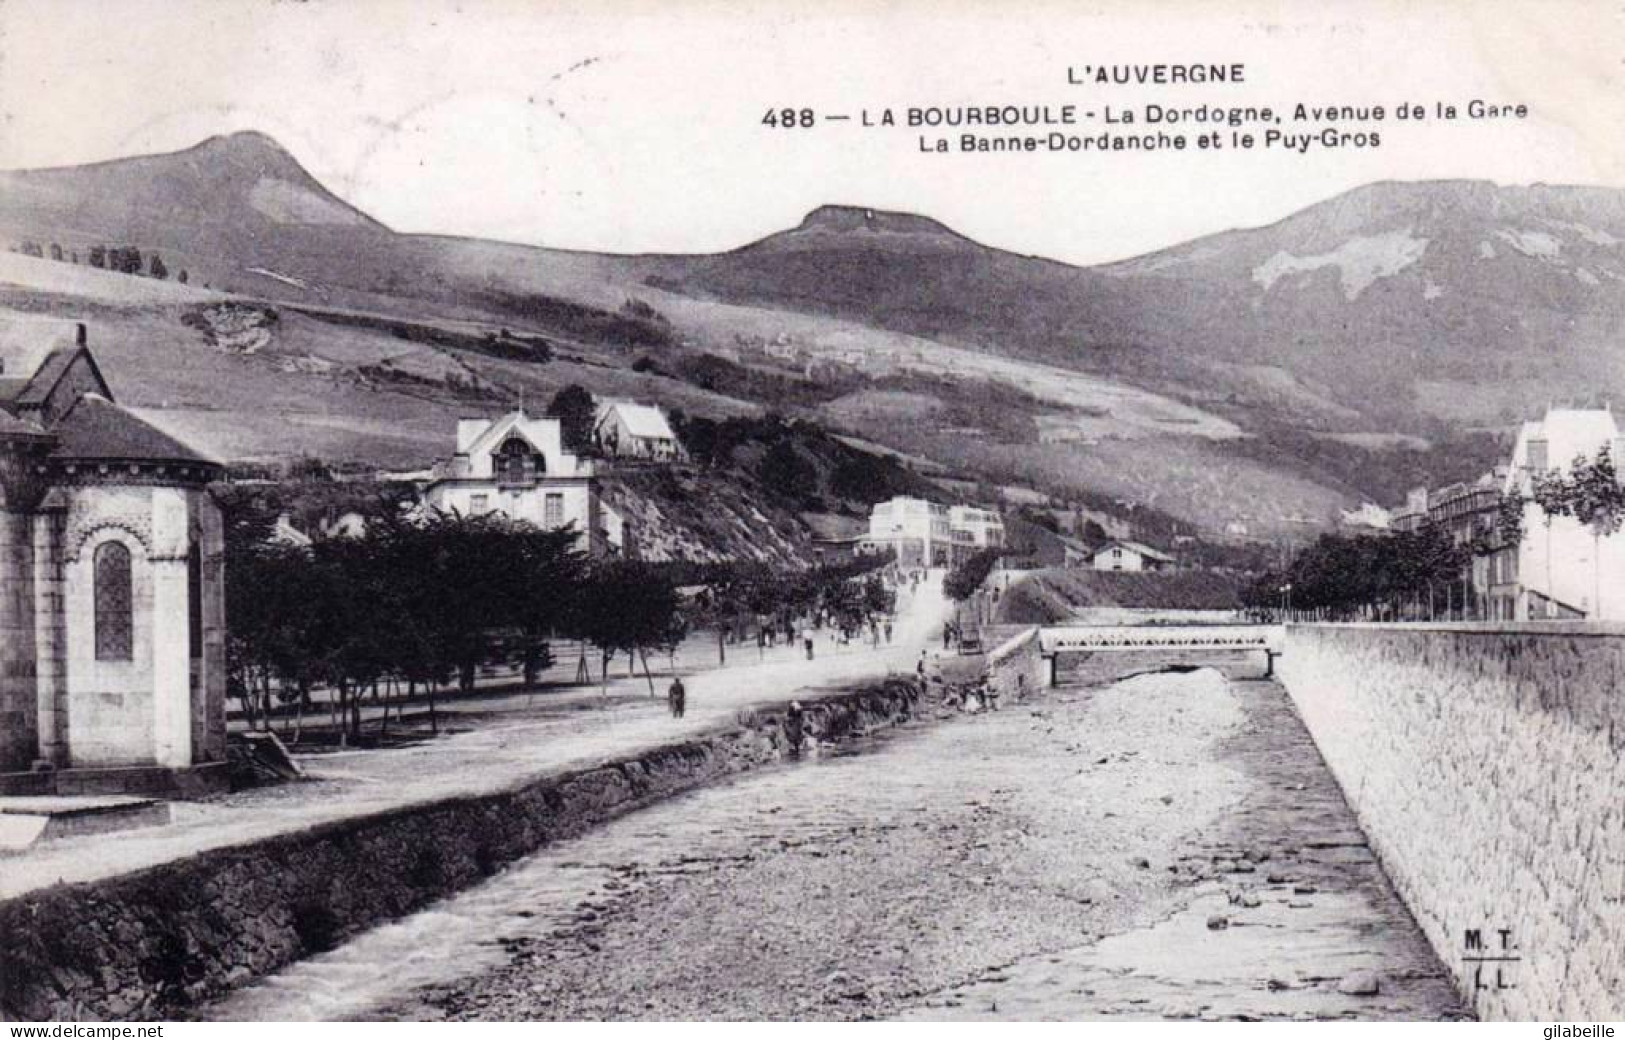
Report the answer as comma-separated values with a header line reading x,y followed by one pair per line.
x,y
515,463
115,602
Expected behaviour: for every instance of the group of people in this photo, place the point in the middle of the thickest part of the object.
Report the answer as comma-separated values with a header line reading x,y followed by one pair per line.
x,y
981,693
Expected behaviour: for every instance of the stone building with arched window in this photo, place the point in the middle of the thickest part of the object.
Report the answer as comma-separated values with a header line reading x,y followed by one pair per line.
x,y
112,627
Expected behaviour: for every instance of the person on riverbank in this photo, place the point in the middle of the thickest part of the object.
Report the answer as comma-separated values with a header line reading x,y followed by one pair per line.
x,y
807,642
677,698
795,728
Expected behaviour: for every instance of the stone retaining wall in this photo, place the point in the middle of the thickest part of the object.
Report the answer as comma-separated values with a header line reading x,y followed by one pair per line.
x,y
1016,667
1487,766
151,943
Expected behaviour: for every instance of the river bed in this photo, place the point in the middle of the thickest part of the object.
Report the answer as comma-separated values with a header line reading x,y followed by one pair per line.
x,y
1165,846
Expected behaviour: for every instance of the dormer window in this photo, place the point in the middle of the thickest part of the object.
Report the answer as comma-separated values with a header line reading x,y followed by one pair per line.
x,y
516,463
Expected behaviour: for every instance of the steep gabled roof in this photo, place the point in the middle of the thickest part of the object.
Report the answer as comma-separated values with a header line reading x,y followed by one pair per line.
x,y
640,420
97,430
513,424
38,389
1136,547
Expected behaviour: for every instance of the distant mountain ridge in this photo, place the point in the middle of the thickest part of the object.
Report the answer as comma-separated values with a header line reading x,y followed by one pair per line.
x,y
1426,309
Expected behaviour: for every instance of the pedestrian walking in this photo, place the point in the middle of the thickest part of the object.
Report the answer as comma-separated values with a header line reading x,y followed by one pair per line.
x,y
888,631
677,698
919,672
947,633
795,728
807,641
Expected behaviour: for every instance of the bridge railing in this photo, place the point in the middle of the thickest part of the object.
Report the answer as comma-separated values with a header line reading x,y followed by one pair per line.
x,y
1056,640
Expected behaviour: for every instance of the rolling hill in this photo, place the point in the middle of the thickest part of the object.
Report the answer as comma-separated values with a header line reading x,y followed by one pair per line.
x,y
1261,378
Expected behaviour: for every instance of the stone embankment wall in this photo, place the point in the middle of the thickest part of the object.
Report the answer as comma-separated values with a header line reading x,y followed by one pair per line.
x,y
1487,766
1015,666
151,943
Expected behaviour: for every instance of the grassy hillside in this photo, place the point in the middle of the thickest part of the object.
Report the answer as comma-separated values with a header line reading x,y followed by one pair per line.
x,y
1266,377
1056,595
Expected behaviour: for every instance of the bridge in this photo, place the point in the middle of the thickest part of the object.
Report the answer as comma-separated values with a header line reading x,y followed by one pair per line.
x,y
1270,640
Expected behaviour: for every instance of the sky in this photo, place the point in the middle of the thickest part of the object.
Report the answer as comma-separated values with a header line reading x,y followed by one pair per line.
x,y
637,127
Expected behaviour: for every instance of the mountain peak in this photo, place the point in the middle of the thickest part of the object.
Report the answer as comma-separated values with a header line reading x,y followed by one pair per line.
x,y
858,218
249,141
248,150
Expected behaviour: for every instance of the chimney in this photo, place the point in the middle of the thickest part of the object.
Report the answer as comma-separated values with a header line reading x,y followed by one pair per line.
x,y
79,334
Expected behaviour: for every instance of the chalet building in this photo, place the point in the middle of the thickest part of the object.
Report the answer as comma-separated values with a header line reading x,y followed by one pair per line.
x,y
516,465
112,596
625,429
1131,556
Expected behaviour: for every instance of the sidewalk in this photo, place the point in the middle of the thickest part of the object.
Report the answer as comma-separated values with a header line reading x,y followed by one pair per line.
x,y
494,743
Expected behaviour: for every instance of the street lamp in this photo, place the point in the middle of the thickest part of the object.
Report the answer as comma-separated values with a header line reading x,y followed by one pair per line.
x,y
1286,598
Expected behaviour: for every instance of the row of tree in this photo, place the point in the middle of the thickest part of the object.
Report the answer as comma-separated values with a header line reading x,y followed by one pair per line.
x,y
427,602
422,603
1376,576
1590,492
848,596
123,259
1370,577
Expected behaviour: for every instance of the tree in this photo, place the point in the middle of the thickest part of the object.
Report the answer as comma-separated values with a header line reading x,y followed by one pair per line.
x,y
56,251
962,582
1597,500
861,477
1554,495
628,605
576,411
123,259
541,592
156,268
183,277
701,437
784,471
32,248
98,256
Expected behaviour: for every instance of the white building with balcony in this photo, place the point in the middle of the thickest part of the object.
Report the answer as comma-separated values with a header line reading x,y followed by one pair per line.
x,y
517,466
985,527
926,534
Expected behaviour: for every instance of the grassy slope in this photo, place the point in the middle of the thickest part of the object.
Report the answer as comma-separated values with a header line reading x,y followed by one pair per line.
x,y
1059,427
1054,595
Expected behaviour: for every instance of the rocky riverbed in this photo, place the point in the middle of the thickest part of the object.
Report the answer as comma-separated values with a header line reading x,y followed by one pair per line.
x,y
1165,846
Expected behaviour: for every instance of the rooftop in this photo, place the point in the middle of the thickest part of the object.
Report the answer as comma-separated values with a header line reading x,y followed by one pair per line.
x,y
641,420
97,430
